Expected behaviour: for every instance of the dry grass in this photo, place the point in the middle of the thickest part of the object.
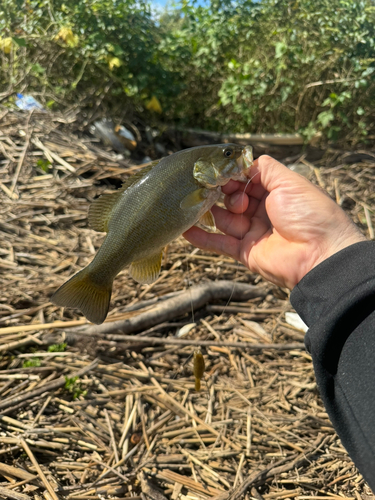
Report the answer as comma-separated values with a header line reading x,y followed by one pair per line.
x,y
118,416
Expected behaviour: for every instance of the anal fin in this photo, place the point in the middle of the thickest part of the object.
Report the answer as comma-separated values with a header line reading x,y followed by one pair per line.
x,y
208,220
146,270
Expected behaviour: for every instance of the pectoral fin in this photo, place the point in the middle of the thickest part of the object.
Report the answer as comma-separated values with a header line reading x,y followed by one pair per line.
x,y
208,220
147,270
194,198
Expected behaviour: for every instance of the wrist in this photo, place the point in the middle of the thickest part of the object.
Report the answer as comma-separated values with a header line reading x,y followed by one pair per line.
x,y
345,240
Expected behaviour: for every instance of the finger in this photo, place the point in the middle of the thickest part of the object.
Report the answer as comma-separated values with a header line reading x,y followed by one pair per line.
x,y
256,191
237,203
236,225
213,242
260,222
272,173
231,187
252,208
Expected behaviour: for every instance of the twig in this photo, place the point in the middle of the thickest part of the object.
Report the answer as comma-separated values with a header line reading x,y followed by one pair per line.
x,y
56,157
208,343
39,470
16,472
19,165
14,495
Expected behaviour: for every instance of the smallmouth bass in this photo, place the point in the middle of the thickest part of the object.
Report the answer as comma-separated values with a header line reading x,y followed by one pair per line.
x,y
151,209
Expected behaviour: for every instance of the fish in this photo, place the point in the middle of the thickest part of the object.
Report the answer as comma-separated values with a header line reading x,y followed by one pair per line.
x,y
198,368
151,209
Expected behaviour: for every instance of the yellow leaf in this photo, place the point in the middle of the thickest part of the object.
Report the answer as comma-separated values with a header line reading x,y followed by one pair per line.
x,y
6,45
66,35
154,105
114,62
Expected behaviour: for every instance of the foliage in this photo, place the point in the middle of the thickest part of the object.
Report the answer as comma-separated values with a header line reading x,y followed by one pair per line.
x,y
73,385
67,50
57,347
247,66
279,66
31,363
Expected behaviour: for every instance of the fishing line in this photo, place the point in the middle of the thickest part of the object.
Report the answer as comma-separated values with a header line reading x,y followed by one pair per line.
x,y
241,238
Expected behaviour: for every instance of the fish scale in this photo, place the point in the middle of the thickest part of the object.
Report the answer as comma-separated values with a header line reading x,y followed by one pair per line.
x,y
143,217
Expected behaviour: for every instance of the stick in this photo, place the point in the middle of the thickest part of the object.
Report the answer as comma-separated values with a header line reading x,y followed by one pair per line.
x,y
5,492
56,157
208,343
195,297
39,470
9,470
19,166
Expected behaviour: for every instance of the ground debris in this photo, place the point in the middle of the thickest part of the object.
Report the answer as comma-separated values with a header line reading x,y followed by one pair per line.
x,y
102,414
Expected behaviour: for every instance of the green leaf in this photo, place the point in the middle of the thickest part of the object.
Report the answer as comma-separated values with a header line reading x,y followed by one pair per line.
x,y
30,363
21,42
44,165
325,118
57,347
37,68
280,49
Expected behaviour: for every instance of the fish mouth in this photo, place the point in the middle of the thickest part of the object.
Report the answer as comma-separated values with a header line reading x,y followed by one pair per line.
x,y
244,163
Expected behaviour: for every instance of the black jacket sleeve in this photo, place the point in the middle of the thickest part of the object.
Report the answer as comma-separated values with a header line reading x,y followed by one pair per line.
x,y
337,302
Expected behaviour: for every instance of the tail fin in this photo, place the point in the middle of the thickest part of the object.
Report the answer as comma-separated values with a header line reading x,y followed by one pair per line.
x,y
81,292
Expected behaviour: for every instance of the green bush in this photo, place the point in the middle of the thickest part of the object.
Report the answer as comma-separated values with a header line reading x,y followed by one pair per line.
x,y
278,66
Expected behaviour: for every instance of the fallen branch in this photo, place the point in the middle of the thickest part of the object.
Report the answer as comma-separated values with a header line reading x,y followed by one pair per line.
x,y
196,136
192,299
204,343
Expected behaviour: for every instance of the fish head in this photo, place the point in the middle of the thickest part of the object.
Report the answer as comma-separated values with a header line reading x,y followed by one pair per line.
x,y
221,163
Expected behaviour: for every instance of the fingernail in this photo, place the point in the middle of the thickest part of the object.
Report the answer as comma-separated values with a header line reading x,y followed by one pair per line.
x,y
234,199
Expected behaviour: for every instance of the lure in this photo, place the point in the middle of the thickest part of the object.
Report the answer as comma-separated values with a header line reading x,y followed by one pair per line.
x,y
198,368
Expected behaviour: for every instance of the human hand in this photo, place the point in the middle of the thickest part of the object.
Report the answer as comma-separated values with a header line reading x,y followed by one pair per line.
x,y
281,226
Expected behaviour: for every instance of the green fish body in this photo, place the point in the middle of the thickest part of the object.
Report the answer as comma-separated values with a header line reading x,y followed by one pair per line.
x,y
150,210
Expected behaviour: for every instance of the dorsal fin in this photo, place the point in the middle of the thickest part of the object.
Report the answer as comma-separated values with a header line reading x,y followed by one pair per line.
x,y
100,210
138,175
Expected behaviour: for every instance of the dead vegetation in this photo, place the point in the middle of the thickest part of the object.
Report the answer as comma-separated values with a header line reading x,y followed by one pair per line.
x,y
91,412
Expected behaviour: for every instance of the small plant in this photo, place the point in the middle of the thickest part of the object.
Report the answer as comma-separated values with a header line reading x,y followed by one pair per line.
x,y
30,363
73,385
43,165
57,347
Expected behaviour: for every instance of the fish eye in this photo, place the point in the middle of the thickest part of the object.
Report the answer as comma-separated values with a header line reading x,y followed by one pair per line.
x,y
228,152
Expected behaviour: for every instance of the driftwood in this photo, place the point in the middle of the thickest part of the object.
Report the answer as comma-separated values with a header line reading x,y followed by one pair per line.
x,y
204,343
191,300
194,135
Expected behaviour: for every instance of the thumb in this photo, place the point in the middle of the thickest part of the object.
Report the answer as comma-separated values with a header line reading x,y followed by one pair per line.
x,y
270,173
